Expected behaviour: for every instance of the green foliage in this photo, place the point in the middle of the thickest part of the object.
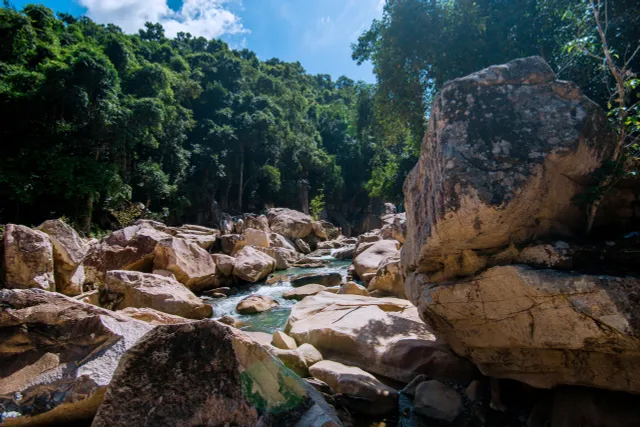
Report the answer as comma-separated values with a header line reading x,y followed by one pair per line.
x,y
317,205
96,121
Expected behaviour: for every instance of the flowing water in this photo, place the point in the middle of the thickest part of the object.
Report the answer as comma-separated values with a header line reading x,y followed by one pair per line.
x,y
275,319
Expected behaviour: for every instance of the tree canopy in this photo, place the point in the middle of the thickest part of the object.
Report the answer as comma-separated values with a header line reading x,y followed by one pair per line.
x,y
95,119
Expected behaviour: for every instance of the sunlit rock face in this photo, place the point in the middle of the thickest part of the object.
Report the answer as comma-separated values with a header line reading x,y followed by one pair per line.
x,y
506,151
542,327
57,356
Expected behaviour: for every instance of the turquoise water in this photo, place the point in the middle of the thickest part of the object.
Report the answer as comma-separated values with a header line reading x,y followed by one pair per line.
x,y
275,319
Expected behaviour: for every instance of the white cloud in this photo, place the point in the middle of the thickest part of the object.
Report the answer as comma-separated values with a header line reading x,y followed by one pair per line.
x,y
207,18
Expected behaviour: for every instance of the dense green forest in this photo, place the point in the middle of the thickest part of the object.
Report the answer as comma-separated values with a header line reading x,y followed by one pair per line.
x,y
95,119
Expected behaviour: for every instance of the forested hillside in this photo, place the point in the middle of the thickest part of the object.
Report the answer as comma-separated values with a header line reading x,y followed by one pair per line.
x,y
94,119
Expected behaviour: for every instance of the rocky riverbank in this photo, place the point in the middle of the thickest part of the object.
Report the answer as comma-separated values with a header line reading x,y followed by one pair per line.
x,y
479,306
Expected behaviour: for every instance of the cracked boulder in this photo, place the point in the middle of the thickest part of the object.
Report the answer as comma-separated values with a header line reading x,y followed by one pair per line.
x,y
542,327
57,356
383,336
230,378
506,152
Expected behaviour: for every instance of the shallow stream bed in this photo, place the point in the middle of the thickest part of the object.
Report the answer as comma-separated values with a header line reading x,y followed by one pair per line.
x,y
274,319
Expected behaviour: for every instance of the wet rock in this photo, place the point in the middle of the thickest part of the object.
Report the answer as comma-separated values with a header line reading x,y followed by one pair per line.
x,y
69,251
256,304
57,356
384,336
124,289
437,401
252,265
356,383
192,265
302,292
28,259
324,279
290,223
283,341
542,327
233,381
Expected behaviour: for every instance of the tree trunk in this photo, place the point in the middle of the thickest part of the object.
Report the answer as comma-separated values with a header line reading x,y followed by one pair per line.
x,y
86,218
241,177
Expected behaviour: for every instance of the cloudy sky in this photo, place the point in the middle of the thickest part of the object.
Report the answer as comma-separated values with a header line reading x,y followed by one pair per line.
x,y
318,33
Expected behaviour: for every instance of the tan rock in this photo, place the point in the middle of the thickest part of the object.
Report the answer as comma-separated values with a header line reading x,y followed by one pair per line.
x,y
69,251
437,401
256,390
254,237
309,354
131,248
28,259
482,191
558,255
369,260
224,263
384,336
91,297
192,265
290,223
319,230
354,382
283,341
284,257
252,265
280,241
389,279
540,327
326,279
260,222
302,246
302,292
229,242
60,375
256,304
154,317
205,241
124,289
347,252
292,360
352,288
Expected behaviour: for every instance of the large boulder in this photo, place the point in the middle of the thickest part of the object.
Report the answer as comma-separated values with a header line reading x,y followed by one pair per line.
x,y
224,263
28,259
369,261
384,336
375,398
230,379
254,237
542,327
124,289
506,152
260,222
290,223
302,292
228,242
131,248
252,265
279,241
57,356
69,251
192,265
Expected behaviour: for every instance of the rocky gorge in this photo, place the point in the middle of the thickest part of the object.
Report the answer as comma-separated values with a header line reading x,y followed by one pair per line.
x,y
479,305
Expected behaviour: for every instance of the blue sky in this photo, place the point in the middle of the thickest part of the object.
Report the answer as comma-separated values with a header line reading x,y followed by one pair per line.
x,y
318,33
